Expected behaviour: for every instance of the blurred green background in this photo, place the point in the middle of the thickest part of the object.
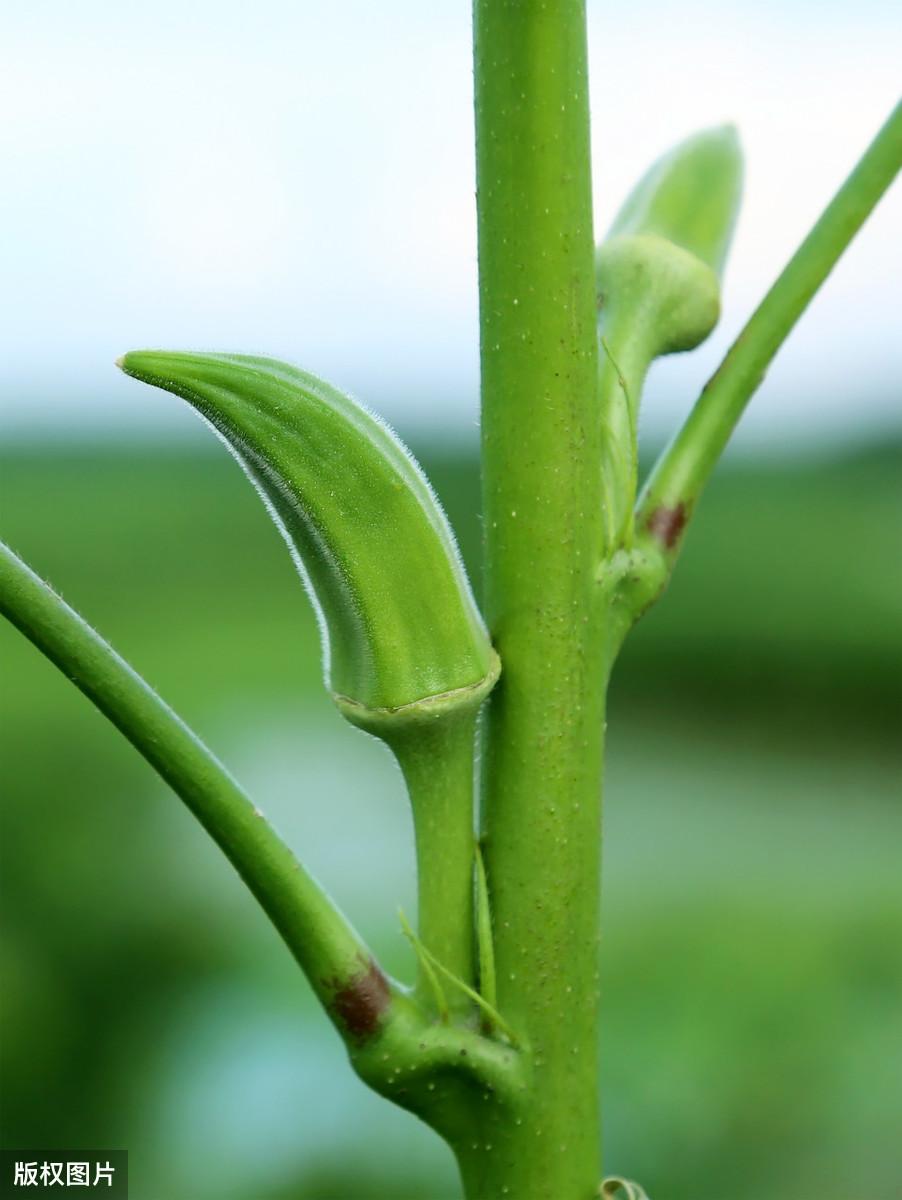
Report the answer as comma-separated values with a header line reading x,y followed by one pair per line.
x,y
752,973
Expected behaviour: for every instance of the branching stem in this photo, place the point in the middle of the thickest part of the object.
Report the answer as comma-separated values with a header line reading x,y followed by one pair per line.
x,y
386,1031
322,941
685,466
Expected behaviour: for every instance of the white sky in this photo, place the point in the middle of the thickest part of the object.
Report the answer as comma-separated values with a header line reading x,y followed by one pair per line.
x,y
296,178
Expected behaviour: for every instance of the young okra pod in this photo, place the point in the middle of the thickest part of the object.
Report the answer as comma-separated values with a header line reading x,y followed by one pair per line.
x,y
665,251
401,633
658,280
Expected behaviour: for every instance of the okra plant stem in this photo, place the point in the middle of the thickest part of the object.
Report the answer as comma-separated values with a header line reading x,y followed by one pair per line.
x,y
322,941
544,538
437,762
390,1036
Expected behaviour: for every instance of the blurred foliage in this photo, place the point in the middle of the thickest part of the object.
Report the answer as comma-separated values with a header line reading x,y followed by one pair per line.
x,y
752,978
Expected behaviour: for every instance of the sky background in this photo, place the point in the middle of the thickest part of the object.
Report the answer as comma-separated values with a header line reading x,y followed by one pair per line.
x,y
297,179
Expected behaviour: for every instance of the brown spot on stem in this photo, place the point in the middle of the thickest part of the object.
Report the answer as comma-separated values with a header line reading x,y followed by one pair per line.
x,y
359,1002
666,524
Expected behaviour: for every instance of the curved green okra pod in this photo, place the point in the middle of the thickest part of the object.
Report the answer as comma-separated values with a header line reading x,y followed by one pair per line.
x,y
657,275
399,625
407,655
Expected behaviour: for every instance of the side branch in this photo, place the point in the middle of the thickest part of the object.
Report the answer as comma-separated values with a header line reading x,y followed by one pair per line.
x,y
392,1044
341,970
683,470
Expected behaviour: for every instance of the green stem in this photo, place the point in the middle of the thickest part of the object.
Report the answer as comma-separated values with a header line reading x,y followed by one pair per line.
x,y
542,500
485,937
623,362
335,960
433,1070
393,1044
684,468
437,761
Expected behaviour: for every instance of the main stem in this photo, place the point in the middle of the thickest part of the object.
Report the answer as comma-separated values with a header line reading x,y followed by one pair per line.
x,y
542,498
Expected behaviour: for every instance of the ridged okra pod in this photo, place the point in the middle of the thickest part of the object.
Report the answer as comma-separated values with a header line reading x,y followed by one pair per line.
x,y
406,653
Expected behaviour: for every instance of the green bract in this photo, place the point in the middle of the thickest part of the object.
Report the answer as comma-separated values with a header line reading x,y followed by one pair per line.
x,y
401,632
